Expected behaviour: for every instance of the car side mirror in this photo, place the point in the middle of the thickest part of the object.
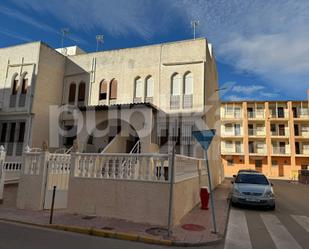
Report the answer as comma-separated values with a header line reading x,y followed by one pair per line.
x,y
234,176
232,182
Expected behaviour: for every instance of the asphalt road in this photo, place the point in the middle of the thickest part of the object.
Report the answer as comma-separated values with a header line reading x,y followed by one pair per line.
x,y
16,236
285,228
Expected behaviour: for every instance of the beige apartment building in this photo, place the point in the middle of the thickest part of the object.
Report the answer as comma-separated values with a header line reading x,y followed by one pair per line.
x,y
271,137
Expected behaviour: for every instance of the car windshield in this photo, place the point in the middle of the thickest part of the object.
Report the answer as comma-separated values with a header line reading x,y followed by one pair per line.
x,y
252,179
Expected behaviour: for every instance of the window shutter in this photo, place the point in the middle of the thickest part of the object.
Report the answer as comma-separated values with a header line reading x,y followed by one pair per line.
x,y
24,86
188,84
72,91
149,87
113,89
176,85
81,91
138,88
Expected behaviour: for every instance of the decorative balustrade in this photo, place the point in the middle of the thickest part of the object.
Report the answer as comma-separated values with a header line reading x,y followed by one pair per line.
x,y
186,167
149,167
32,163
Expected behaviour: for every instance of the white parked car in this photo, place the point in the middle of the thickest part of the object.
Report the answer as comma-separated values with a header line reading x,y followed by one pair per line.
x,y
253,189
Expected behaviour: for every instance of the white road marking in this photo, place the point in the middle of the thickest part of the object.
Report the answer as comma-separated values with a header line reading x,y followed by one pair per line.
x,y
237,236
279,234
303,221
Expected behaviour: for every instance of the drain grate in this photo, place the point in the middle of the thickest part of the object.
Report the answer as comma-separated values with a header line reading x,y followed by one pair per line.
x,y
193,227
88,217
157,231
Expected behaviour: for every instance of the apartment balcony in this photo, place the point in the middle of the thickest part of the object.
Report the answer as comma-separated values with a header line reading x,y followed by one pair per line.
x,y
301,135
232,151
232,116
302,114
281,133
256,115
258,151
302,153
256,133
281,151
232,134
279,114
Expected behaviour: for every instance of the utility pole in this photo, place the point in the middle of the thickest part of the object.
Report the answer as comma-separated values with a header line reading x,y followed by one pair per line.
x,y
194,24
64,33
100,39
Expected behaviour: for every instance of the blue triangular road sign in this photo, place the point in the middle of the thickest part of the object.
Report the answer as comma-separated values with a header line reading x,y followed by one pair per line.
x,y
204,137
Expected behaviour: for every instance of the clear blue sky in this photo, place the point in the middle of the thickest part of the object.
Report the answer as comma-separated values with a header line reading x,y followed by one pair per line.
x,y
262,46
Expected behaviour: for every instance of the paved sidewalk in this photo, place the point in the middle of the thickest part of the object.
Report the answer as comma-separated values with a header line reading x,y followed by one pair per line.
x,y
197,218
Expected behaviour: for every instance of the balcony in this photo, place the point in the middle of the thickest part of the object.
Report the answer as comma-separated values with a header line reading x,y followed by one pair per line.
x,y
278,150
232,151
232,116
232,133
256,115
258,151
302,113
175,102
187,101
256,132
283,114
302,153
280,132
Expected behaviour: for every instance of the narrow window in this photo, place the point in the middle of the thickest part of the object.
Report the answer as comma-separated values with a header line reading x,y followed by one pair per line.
x,y
12,133
138,92
21,133
81,92
103,90
3,132
15,85
188,84
149,87
113,89
72,91
24,86
176,85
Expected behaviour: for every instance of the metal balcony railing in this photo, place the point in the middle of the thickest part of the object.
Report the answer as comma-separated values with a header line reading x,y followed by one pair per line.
x,y
256,115
279,132
256,132
281,150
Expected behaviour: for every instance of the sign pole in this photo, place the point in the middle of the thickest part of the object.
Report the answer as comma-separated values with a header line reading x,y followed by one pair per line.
x,y
204,138
211,193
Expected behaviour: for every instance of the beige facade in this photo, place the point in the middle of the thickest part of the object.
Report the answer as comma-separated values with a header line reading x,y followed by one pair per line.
x,y
167,81
271,137
31,78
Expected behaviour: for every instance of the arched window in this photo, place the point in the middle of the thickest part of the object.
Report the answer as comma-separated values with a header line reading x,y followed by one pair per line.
x,y
188,84
176,82
72,92
103,90
138,89
24,84
113,89
81,92
14,84
149,87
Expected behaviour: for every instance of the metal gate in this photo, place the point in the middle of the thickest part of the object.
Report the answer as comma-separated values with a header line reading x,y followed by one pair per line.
x,y
57,175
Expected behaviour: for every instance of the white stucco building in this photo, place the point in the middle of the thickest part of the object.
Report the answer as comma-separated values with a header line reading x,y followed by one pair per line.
x,y
132,94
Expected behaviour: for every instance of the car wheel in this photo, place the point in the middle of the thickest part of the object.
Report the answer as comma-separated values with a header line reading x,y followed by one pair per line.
x,y
273,207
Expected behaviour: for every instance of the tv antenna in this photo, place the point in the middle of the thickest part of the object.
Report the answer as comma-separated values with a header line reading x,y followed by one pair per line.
x,y
64,33
100,39
194,24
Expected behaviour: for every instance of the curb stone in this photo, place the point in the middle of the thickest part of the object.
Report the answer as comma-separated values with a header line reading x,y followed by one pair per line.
x,y
123,235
